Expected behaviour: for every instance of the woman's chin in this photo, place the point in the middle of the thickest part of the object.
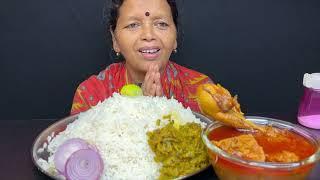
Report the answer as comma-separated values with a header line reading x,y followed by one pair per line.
x,y
143,65
147,64
160,63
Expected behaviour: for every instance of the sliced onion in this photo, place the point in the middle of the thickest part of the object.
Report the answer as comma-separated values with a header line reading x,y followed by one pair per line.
x,y
85,164
65,150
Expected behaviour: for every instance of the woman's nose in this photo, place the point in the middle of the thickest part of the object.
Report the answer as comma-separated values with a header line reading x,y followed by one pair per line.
x,y
148,33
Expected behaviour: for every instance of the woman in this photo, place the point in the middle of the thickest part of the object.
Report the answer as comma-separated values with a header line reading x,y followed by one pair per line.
x,y
144,32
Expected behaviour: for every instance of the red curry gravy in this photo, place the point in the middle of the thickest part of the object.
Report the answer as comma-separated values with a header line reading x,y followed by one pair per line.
x,y
289,142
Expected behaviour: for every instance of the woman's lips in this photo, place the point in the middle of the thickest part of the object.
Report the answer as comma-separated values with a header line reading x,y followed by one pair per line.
x,y
150,53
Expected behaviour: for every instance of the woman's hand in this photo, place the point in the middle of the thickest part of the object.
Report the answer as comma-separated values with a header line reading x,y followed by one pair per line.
x,y
152,83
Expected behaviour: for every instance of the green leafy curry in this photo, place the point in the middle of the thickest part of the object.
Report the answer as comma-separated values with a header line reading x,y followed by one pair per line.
x,y
178,148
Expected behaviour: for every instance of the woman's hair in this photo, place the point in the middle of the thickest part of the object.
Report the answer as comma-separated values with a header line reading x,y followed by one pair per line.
x,y
114,13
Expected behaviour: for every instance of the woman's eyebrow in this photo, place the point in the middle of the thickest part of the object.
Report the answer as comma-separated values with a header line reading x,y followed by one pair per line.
x,y
133,18
156,17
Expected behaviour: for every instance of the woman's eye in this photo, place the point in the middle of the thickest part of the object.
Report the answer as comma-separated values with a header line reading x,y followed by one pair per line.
x,y
162,25
132,26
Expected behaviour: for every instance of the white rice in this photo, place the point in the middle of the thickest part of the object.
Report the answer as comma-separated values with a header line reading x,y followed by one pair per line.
x,y
118,127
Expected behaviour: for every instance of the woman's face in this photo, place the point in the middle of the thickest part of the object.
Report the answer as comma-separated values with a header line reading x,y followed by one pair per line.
x,y
145,33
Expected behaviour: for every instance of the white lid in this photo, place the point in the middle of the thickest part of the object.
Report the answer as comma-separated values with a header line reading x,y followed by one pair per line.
x,y
311,80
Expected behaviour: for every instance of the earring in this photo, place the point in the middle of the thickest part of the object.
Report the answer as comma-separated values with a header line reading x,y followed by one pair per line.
x,y
117,54
175,51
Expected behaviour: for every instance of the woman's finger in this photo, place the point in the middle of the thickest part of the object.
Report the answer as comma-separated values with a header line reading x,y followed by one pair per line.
x,y
147,84
159,91
158,85
153,89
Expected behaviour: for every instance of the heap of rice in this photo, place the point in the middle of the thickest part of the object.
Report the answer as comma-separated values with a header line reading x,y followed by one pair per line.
x,y
118,127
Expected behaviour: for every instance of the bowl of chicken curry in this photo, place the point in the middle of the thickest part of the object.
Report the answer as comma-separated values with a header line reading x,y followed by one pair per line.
x,y
283,151
252,147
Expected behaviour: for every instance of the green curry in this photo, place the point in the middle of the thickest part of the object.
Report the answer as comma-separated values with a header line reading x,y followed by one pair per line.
x,y
179,150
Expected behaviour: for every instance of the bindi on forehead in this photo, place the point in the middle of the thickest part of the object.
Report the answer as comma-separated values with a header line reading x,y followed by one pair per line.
x,y
147,13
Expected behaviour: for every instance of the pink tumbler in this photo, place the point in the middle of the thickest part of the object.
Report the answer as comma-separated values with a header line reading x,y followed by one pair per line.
x,y
309,108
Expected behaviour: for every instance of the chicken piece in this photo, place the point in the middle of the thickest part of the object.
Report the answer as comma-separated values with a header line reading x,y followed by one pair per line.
x,y
244,146
275,137
217,103
283,156
274,132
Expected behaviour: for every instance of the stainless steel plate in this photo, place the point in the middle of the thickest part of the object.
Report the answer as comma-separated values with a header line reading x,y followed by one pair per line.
x,y
61,126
